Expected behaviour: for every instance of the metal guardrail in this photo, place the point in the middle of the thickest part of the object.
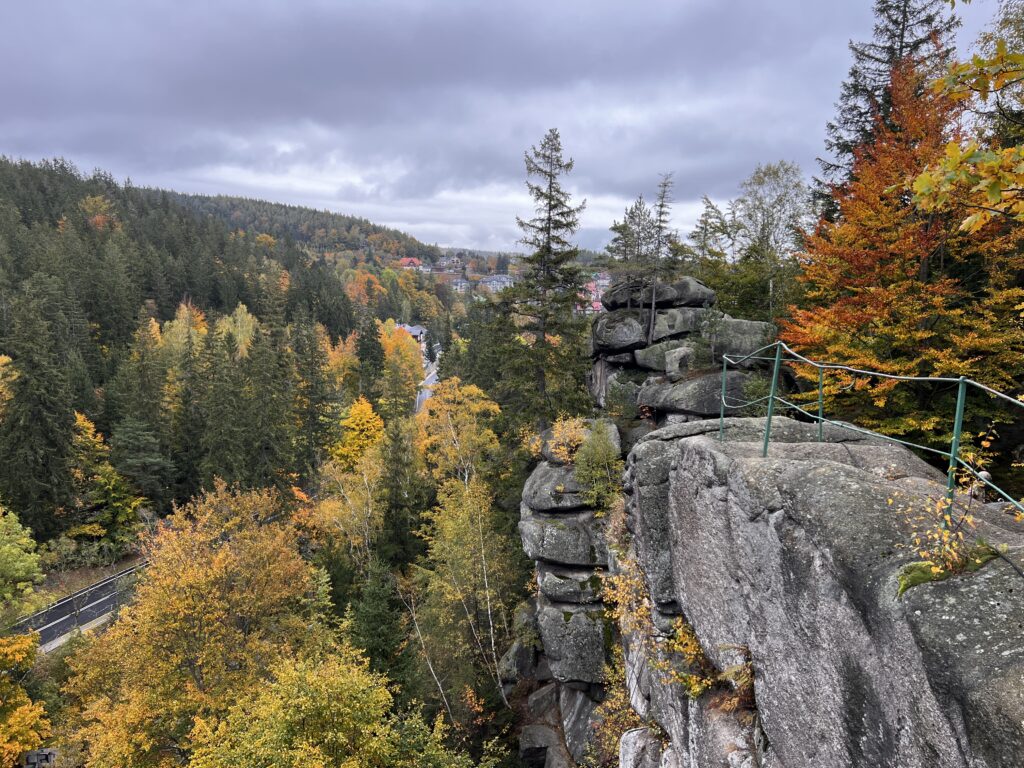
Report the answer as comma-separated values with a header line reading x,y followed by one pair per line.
x,y
952,455
79,608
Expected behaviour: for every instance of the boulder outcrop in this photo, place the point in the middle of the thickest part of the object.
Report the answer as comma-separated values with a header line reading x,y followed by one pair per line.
x,y
784,568
795,558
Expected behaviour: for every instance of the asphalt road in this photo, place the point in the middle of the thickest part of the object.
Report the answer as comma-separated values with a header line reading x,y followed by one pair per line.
x,y
424,393
81,608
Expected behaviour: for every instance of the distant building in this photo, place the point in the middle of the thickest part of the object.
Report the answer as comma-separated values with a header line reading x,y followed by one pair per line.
x,y
461,285
496,283
410,262
418,332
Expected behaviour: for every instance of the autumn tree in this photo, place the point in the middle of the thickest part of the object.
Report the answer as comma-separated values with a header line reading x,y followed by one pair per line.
x,y
23,723
546,298
401,372
900,291
103,510
919,30
226,597
331,711
469,570
468,587
361,429
455,436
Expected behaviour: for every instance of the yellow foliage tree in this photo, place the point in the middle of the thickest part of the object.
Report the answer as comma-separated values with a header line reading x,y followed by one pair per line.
x,y
332,712
23,723
225,598
454,433
360,431
402,373
350,512
470,572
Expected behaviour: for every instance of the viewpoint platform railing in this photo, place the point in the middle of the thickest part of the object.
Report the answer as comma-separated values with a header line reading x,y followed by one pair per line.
x,y
779,357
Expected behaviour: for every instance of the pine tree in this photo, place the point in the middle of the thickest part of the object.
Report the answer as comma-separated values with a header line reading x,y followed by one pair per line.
x,y
371,359
268,426
547,297
315,408
224,413
921,30
36,431
631,244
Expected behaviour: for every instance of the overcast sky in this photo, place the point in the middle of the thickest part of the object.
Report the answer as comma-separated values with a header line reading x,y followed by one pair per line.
x,y
416,113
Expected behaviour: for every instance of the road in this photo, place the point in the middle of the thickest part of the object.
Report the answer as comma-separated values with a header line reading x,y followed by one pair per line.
x,y
80,609
424,392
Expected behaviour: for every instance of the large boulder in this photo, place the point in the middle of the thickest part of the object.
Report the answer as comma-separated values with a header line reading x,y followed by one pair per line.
x,y
795,558
737,338
578,719
620,331
566,539
569,585
653,358
687,292
677,321
553,488
573,638
696,396
541,746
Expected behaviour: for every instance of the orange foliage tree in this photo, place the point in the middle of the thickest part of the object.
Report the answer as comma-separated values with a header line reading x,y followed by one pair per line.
x,y
897,290
226,596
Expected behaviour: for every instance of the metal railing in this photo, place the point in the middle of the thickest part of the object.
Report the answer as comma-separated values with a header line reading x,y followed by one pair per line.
x,y
778,359
72,611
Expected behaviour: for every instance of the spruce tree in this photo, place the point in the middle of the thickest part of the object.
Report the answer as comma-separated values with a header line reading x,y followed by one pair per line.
x,y
917,29
371,359
136,453
314,404
405,496
269,437
36,431
224,413
187,423
547,297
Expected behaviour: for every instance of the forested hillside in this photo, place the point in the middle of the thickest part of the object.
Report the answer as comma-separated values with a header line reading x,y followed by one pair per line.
x,y
322,231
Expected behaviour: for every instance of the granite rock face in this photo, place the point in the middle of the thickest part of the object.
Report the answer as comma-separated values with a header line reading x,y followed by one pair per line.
x,y
785,566
687,292
795,557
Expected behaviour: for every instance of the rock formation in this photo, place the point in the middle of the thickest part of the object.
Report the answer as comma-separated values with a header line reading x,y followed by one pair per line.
x,y
784,569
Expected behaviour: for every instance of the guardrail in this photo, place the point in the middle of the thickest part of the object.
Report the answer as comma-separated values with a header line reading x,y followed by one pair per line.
x,y
79,608
952,455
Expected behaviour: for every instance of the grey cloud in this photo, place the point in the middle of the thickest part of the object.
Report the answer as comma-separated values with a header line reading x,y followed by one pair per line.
x,y
409,111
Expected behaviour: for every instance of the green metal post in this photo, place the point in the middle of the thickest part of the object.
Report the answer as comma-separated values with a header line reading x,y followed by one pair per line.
x,y
954,448
821,403
771,398
721,414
